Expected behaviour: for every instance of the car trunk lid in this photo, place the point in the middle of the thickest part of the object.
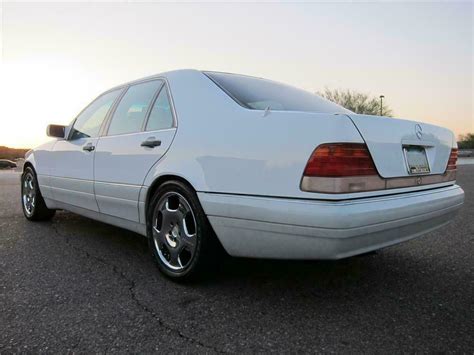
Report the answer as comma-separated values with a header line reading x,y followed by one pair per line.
x,y
388,138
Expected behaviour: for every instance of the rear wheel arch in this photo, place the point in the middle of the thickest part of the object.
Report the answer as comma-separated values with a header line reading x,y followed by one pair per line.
x,y
157,183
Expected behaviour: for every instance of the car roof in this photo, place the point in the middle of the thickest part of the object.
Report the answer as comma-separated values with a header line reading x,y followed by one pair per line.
x,y
177,74
167,74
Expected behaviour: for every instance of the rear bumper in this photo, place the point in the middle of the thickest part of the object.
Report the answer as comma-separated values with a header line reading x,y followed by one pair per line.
x,y
282,228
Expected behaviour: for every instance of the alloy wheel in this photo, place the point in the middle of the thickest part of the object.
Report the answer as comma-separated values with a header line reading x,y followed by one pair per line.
x,y
174,231
29,194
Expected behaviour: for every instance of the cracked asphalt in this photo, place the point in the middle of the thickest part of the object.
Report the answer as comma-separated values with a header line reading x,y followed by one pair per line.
x,y
76,285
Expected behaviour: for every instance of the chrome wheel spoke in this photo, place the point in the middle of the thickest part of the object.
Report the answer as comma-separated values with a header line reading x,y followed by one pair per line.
x,y
174,258
167,220
158,236
188,225
188,247
188,240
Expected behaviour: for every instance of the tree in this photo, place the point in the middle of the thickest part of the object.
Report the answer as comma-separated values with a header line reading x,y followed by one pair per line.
x,y
466,141
356,101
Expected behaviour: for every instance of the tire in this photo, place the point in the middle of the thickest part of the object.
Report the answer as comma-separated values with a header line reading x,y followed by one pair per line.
x,y
180,237
32,202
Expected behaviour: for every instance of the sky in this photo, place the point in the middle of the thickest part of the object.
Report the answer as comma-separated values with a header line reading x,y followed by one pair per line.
x,y
57,57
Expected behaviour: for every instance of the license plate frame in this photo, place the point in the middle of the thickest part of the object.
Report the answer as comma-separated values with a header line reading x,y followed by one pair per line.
x,y
416,160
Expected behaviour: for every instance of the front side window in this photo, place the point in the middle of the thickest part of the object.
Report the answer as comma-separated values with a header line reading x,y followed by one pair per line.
x,y
260,94
160,115
132,109
89,121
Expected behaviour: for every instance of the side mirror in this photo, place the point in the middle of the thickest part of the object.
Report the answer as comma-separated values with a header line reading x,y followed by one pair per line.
x,y
56,131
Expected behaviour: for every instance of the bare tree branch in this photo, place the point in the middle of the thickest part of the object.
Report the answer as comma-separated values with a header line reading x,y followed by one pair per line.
x,y
356,101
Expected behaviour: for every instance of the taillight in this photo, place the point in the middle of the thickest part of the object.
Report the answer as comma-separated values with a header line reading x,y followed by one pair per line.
x,y
341,168
340,160
453,158
338,168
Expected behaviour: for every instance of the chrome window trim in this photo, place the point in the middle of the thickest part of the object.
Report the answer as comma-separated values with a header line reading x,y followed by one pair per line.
x,y
165,83
173,115
152,103
108,118
71,125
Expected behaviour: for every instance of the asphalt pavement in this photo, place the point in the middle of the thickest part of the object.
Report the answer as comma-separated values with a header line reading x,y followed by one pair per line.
x,y
76,285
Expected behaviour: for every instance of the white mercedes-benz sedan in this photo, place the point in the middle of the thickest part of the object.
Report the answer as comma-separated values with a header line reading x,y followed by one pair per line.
x,y
196,161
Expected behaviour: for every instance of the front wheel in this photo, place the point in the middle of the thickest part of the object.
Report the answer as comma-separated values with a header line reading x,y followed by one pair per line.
x,y
32,202
180,237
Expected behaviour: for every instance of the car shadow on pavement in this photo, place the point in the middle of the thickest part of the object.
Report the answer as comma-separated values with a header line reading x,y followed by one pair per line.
x,y
108,241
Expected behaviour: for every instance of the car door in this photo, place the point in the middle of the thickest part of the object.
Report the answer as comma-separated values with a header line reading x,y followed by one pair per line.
x,y
72,159
139,133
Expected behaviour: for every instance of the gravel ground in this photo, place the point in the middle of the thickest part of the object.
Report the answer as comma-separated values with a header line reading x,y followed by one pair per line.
x,y
75,285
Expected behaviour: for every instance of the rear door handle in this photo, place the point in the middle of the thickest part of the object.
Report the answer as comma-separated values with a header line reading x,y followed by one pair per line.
x,y
151,143
88,147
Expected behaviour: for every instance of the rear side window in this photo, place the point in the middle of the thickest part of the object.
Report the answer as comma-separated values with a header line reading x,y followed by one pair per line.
x,y
160,115
260,94
133,107
89,121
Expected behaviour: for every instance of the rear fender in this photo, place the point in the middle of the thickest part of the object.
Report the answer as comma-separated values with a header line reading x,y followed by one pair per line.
x,y
245,153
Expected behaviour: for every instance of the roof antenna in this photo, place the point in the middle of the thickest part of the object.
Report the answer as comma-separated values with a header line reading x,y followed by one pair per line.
x,y
266,112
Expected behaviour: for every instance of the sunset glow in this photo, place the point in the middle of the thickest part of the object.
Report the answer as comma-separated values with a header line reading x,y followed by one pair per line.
x,y
57,57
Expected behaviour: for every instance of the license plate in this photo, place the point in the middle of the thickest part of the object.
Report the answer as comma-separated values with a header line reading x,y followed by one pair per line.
x,y
416,160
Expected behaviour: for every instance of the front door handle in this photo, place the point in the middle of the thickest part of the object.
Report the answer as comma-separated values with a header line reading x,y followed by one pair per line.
x,y
151,143
88,147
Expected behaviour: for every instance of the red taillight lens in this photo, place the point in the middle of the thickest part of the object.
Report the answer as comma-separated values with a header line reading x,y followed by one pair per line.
x,y
453,158
339,160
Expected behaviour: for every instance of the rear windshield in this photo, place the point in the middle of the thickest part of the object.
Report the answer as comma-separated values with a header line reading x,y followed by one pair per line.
x,y
260,94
